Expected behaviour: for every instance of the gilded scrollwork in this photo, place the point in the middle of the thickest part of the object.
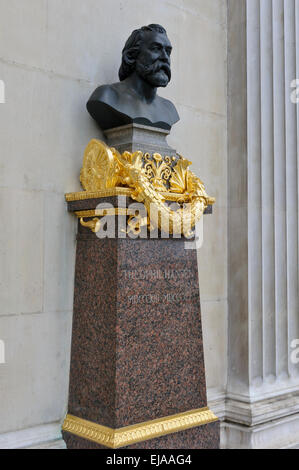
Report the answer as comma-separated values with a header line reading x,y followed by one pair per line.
x,y
178,180
153,180
100,167
94,225
158,170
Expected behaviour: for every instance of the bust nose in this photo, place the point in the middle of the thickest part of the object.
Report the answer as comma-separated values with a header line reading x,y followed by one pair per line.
x,y
164,56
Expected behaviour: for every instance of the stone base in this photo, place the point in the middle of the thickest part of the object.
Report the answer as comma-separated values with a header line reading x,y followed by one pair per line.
x,y
135,137
137,350
261,411
203,437
279,434
44,436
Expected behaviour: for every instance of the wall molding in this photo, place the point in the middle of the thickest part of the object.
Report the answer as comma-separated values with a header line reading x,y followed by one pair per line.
x,y
279,434
45,436
263,411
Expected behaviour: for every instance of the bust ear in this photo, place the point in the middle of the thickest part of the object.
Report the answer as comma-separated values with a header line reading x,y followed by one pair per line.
x,y
129,57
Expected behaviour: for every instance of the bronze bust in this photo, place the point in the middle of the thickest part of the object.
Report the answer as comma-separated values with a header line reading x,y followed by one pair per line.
x,y
145,67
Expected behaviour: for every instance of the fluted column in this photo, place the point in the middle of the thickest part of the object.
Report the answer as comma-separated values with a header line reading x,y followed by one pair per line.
x,y
263,253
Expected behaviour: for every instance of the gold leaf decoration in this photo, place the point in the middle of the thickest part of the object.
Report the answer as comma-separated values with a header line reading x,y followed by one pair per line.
x,y
152,179
100,167
178,180
157,170
122,437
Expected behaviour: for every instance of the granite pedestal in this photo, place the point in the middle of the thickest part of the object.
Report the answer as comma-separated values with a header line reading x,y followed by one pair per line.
x,y
137,376
137,351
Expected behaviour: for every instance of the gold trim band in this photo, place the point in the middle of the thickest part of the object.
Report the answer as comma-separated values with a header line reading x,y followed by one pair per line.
x,y
116,438
118,191
82,195
105,212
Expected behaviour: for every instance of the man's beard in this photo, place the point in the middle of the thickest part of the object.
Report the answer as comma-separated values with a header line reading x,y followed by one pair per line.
x,y
157,74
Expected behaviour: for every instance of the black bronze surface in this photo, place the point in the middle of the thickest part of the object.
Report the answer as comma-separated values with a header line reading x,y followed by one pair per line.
x,y
145,67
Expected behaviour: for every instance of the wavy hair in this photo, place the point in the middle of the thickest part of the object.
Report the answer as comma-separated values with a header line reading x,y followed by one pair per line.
x,y
132,48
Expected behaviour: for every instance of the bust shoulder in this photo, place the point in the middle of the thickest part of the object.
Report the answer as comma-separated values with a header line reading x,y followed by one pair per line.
x,y
116,105
104,93
105,106
171,110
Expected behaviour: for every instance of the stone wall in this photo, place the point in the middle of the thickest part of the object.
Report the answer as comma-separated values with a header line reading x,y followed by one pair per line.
x,y
262,403
52,55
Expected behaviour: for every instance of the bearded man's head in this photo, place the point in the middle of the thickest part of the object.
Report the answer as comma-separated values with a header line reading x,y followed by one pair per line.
x,y
147,51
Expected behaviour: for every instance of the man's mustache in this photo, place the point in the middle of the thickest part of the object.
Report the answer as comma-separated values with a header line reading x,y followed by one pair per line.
x,y
156,67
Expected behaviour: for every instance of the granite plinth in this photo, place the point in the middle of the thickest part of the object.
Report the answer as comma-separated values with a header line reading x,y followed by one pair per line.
x,y
137,351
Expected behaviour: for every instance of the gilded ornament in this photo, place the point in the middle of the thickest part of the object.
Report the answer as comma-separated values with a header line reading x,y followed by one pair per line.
x,y
100,168
151,180
94,225
122,437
